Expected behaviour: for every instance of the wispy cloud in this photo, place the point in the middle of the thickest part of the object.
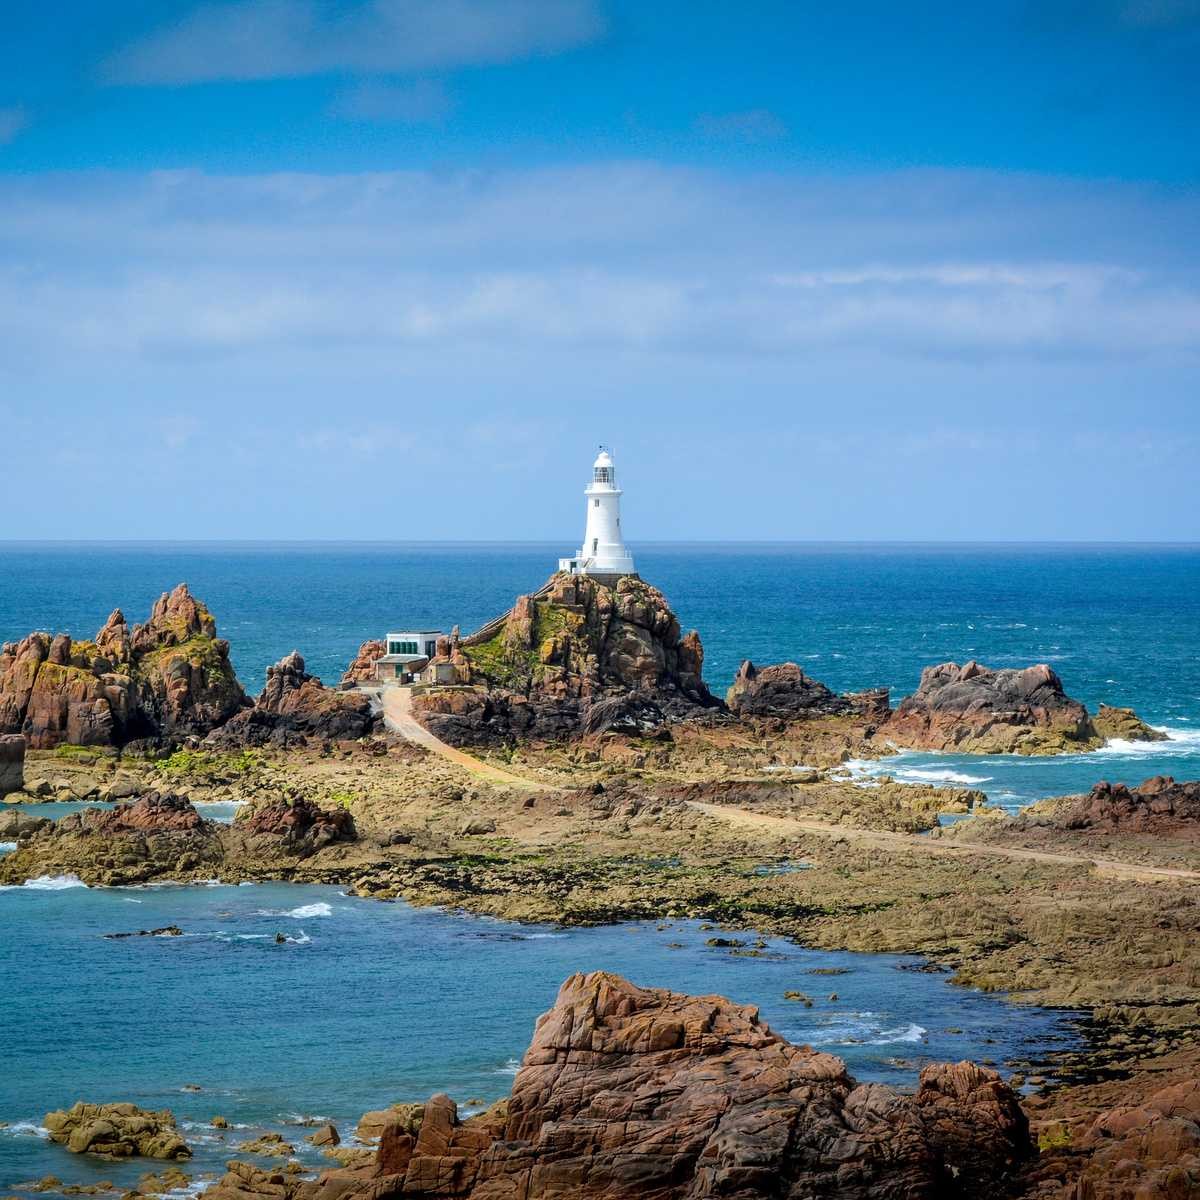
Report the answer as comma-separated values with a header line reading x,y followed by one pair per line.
x,y
932,264
13,122
267,39
752,125
422,102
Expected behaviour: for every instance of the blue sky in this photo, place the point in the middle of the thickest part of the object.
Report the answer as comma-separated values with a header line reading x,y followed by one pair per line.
x,y
392,268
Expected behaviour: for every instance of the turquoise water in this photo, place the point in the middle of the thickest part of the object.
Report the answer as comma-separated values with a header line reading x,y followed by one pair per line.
x,y
368,1003
1121,624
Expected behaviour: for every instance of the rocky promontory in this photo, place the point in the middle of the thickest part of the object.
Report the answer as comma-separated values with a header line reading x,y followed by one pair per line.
x,y
641,1092
973,709
163,680
784,691
12,763
119,1130
560,653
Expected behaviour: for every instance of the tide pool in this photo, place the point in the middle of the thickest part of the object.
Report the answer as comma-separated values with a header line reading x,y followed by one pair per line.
x,y
364,1004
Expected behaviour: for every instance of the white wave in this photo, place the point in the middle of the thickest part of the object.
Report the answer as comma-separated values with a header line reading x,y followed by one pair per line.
x,y
510,1068
26,1129
196,1188
54,883
320,909
1179,744
538,937
934,775
867,1029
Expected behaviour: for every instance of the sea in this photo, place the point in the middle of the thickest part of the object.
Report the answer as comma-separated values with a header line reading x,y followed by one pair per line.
x,y
362,1004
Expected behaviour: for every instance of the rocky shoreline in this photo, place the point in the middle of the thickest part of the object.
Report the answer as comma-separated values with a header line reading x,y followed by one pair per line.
x,y
649,798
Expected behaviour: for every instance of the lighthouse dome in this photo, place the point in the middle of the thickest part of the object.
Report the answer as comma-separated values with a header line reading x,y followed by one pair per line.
x,y
603,470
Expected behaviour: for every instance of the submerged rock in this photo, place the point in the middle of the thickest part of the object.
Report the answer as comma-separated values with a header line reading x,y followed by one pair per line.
x,y
119,1130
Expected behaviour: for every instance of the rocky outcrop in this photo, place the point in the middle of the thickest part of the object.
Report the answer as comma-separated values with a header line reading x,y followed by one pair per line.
x,y
1124,724
155,812
1158,806
167,679
783,691
362,665
302,827
638,1092
294,706
1146,1151
561,652
12,763
116,1131
974,709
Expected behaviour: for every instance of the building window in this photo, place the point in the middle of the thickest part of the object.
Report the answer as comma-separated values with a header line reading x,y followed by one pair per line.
x,y
430,649
402,648
595,545
603,474
596,503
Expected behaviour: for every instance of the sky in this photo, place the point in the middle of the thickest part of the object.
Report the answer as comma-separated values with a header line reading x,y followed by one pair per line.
x,y
376,269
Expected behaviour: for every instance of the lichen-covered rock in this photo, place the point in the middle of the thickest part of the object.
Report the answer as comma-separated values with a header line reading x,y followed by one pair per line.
x,y
977,710
12,763
362,665
560,653
170,677
1110,722
116,1131
294,705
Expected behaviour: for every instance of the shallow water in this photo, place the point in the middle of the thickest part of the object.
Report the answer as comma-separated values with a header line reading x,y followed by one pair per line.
x,y
369,1003
216,810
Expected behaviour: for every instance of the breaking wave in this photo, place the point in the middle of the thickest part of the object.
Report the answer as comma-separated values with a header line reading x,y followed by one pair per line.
x,y
54,883
319,909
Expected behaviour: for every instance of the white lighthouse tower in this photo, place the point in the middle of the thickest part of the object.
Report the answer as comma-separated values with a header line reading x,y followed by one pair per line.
x,y
603,552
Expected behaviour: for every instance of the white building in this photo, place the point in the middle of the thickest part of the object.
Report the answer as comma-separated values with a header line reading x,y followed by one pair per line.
x,y
406,652
603,551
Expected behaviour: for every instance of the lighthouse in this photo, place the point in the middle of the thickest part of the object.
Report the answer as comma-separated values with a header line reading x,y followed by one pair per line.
x,y
603,551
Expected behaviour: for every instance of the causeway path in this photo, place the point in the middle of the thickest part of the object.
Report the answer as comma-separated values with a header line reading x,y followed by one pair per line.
x,y
396,702
884,840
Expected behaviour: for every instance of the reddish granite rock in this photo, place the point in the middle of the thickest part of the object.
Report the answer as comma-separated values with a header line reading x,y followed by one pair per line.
x,y
171,677
629,1093
294,705
1150,1151
12,763
362,666
155,812
1158,805
304,827
784,691
975,709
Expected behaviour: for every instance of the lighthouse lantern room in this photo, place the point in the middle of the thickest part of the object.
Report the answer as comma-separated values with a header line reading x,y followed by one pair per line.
x,y
603,551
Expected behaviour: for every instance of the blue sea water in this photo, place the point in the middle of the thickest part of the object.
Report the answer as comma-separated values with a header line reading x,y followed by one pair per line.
x,y
1120,624
367,1004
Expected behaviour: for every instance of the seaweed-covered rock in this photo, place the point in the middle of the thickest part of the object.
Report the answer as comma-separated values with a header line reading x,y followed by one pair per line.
x,y
169,678
116,1131
302,826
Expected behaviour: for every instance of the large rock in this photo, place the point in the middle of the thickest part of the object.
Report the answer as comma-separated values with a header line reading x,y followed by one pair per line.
x,y
169,678
116,1131
977,710
12,763
785,692
559,654
1147,1151
303,827
293,706
362,665
629,1092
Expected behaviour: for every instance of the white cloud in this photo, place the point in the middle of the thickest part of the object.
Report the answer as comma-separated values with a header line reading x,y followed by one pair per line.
x,y
13,122
625,257
423,102
267,39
